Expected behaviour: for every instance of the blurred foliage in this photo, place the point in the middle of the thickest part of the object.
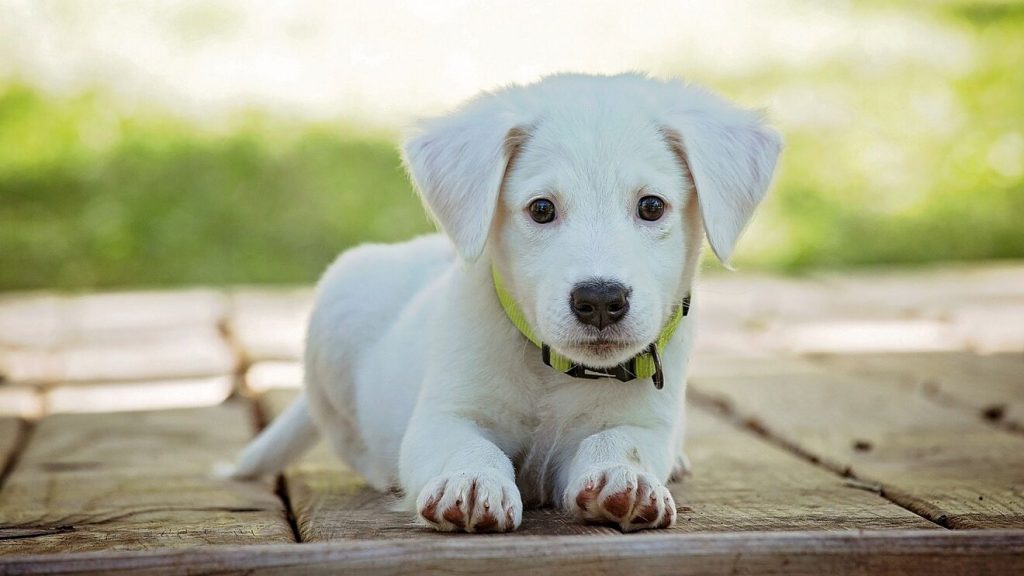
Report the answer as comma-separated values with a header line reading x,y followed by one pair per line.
x,y
92,199
901,162
892,164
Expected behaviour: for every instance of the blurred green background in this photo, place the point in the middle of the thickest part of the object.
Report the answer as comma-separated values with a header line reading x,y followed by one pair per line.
x,y
886,162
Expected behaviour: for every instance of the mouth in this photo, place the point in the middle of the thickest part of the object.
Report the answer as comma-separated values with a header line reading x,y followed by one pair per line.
x,y
601,352
604,346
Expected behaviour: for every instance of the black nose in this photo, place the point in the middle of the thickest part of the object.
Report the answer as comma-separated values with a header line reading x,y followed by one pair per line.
x,y
599,302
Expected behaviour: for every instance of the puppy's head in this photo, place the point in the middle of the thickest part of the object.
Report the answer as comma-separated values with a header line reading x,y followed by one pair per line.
x,y
590,195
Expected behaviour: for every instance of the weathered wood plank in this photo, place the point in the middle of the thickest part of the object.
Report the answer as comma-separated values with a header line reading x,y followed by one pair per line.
x,y
945,308
180,353
990,386
136,480
80,397
117,317
46,339
192,352
270,324
715,365
740,309
938,461
741,484
837,553
855,334
32,400
769,316
938,292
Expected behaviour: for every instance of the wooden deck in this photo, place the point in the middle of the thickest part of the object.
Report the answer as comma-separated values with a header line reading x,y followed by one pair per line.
x,y
859,423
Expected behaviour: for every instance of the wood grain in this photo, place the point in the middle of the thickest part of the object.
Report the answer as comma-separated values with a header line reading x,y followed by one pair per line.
x,y
938,461
990,386
926,553
740,483
136,480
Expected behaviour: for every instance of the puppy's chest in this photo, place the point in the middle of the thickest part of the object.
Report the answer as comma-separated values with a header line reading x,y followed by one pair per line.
x,y
550,436
539,417
553,402
548,405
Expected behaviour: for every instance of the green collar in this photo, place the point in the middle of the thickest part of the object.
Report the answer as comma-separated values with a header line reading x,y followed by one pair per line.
x,y
647,364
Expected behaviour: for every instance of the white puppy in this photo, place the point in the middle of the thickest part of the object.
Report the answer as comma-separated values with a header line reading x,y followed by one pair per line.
x,y
583,201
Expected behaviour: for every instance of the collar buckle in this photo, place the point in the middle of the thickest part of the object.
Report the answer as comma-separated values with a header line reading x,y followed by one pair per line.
x,y
624,372
658,377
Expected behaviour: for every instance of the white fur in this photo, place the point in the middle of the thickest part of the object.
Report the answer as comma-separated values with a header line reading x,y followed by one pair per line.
x,y
417,377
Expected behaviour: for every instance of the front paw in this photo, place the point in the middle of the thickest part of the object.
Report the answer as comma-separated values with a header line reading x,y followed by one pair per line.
x,y
471,502
618,494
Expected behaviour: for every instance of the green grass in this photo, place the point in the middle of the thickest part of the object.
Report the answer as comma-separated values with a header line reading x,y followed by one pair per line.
x,y
918,164
91,201
921,164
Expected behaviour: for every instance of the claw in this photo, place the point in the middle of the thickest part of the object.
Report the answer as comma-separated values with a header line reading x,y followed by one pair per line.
x,y
465,502
621,496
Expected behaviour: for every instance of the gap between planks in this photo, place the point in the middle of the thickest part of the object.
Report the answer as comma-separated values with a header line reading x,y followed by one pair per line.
x,y
11,457
936,461
243,362
100,475
260,421
721,409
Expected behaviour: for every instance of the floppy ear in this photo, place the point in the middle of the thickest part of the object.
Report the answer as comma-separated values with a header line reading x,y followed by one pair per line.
x,y
458,164
730,154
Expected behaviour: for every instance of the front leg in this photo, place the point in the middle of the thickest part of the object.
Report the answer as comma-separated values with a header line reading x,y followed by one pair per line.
x,y
462,480
616,478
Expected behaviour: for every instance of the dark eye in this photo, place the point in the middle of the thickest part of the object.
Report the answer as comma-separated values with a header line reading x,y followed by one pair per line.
x,y
542,210
650,208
